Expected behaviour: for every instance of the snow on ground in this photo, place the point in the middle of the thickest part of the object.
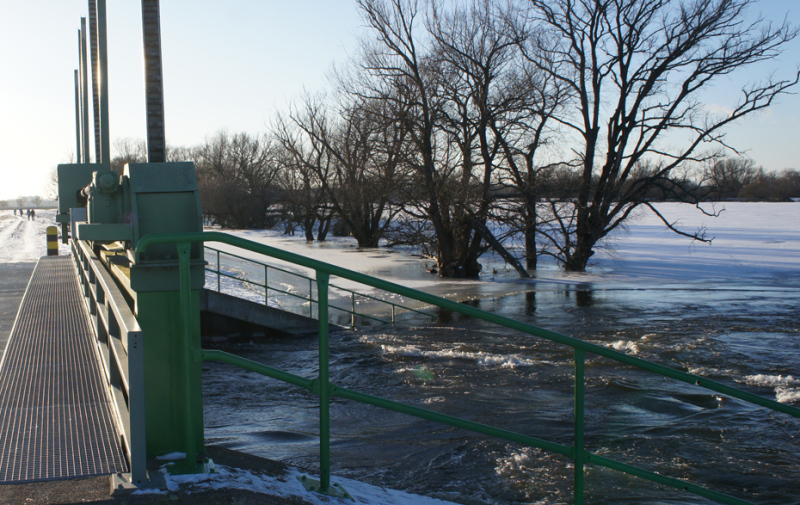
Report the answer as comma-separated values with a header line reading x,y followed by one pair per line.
x,y
22,240
288,487
754,242
750,241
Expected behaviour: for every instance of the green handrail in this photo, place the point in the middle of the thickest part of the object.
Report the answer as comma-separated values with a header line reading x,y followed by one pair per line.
x,y
310,298
322,386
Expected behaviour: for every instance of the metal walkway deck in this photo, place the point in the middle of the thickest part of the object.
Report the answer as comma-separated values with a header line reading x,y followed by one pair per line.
x,y
55,416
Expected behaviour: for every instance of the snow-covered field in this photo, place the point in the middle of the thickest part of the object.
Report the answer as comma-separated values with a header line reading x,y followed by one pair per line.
x,y
752,242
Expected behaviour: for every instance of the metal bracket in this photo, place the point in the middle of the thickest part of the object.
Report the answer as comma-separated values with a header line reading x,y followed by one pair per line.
x,y
122,483
181,468
334,490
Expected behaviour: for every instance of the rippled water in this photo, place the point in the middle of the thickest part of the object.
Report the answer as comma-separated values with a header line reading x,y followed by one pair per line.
x,y
749,338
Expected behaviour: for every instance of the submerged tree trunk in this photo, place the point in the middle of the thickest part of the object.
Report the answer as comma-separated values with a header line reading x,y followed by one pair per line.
x,y
529,221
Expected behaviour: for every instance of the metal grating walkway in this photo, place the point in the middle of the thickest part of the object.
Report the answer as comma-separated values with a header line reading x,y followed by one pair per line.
x,y
55,416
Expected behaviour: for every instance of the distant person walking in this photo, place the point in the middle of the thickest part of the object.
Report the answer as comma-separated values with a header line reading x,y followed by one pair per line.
x,y
29,214
33,215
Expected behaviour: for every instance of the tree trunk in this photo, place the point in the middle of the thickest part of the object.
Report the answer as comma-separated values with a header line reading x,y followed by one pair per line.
x,y
308,228
324,227
576,262
530,232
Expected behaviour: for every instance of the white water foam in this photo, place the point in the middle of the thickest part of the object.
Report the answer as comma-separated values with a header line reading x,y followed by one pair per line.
x,y
787,388
481,358
626,346
785,395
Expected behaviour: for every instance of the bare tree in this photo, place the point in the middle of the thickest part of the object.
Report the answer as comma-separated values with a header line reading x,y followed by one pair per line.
x,y
128,150
440,85
399,70
512,103
636,68
52,184
726,177
354,156
237,175
772,186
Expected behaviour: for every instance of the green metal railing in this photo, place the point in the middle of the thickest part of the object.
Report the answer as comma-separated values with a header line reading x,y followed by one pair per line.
x,y
354,296
322,386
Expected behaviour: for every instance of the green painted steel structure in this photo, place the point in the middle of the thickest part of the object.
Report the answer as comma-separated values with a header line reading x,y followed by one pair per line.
x,y
325,389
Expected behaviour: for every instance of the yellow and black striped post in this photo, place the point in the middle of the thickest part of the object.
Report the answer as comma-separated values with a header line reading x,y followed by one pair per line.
x,y
52,241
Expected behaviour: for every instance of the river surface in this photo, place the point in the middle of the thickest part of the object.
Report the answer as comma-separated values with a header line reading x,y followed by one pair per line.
x,y
742,334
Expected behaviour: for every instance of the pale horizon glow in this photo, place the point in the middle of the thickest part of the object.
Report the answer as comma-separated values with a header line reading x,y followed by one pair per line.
x,y
231,65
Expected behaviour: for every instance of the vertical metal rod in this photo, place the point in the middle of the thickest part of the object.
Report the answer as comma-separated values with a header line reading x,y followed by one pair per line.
x,y
85,93
324,383
580,369
393,311
102,50
353,314
311,299
95,77
219,275
77,120
266,285
154,81
188,352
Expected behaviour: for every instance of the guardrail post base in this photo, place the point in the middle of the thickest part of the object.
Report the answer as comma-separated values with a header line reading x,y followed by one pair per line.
x,y
121,485
334,490
181,468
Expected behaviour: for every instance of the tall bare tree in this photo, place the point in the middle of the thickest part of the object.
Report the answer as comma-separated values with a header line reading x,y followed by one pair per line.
x,y
441,70
237,177
637,68
399,70
353,154
304,165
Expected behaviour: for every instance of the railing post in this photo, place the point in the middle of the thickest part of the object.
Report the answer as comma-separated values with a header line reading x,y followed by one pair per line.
x,y
324,385
219,275
353,314
266,284
580,369
311,298
186,310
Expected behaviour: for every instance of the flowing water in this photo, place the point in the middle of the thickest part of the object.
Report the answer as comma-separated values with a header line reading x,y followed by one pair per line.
x,y
746,336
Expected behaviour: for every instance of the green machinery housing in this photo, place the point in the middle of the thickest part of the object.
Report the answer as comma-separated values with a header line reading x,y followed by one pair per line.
x,y
148,198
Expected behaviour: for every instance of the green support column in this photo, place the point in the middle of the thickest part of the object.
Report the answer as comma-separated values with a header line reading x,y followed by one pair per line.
x,y
165,372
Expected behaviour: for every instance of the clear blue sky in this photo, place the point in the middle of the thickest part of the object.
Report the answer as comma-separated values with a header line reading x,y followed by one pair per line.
x,y
230,64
